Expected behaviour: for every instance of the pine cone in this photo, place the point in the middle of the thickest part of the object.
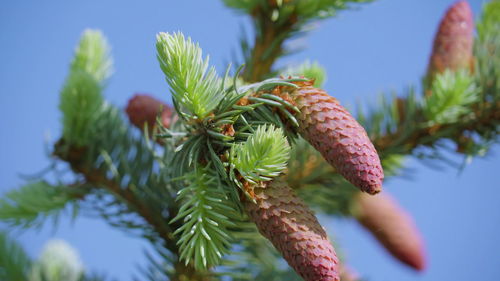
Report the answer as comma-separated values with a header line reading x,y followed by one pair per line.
x,y
453,41
293,229
392,227
143,109
342,141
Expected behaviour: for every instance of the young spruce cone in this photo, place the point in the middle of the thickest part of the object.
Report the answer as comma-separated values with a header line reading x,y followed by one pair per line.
x,y
392,227
144,109
453,41
294,231
342,141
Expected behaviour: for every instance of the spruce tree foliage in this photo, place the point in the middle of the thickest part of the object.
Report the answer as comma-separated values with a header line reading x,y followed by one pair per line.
x,y
206,214
263,156
33,203
14,261
452,93
197,90
234,134
81,97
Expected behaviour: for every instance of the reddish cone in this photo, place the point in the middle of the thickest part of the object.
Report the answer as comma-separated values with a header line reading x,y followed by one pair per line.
x,y
294,231
342,141
144,109
392,227
453,41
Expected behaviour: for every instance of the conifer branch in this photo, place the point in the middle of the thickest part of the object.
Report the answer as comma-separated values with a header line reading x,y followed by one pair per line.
x,y
275,22
206,213
80,103
232,143
14,261
92,55
474,120
96,177
113,159
32,204
452,93
263,156
462,108
484,120
81,97
193,87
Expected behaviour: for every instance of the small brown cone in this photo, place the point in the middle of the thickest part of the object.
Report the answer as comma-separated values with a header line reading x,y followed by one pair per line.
x,y
144,109
453,42
393,228
342,141
294,231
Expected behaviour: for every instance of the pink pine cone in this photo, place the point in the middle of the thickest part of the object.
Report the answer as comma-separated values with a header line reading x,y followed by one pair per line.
x,y
342,141
144,109
393,228
454,40
294,231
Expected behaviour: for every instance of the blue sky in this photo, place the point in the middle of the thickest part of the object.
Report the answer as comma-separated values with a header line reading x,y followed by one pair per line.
x,y
383,46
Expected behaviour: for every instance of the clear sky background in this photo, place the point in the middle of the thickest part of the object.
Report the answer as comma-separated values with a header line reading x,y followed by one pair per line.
x,y
381,47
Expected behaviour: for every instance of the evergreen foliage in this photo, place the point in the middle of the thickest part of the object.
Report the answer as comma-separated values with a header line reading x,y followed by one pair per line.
x,y
309,9
32,204
58,262
193,88
14,262
452,92
186,194
81,106
206,213
81,96
486,48
92,56
263,156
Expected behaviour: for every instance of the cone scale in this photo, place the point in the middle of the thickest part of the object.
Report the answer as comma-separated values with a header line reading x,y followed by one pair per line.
x,y
294,231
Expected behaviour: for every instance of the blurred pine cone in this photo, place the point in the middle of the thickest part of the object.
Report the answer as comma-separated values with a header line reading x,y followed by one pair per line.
x,y
393,228
144,109
453,41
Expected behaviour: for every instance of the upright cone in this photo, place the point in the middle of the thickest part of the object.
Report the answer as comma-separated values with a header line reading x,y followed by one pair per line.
x,y
342,141
453,41
294,231
143,109
392,227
